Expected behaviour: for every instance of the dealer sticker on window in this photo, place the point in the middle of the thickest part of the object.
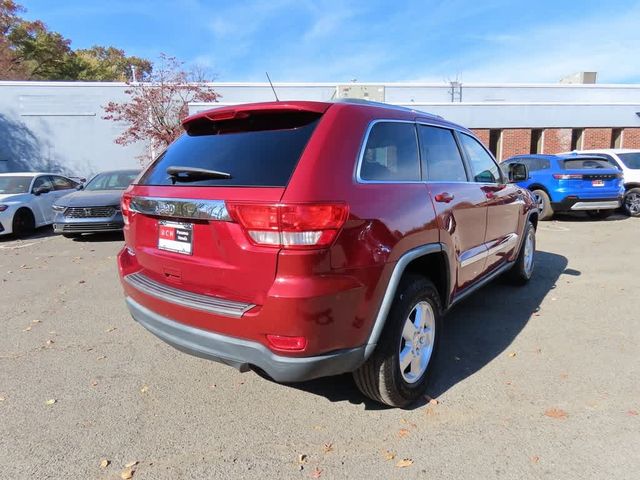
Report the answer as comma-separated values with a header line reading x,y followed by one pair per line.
x,y
175,237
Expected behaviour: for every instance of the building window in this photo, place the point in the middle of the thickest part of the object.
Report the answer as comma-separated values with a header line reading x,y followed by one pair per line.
x,y
536,141
495,143
577,138
616,138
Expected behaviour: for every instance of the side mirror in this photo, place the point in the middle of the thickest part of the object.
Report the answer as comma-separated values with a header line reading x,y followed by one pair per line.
x,y
80,187
41,190
518,172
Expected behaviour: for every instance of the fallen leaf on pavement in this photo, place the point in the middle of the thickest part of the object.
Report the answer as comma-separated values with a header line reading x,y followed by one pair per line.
x,y
535,459
28,329
316,473
36,321
2,399
109,330
389,455
94,383
133,463
512,354
406,462
403,432
302,458
144,389
51,401
126,474
556,413
104,463
84,281
328,447
50,342
633,413
431,401
101,357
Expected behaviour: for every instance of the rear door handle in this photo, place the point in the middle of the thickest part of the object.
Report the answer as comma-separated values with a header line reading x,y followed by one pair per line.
x,y
444,197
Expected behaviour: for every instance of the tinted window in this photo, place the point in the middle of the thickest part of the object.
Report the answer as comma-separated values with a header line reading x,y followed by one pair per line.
x,y
441,160
485,170
43,182
536,164
585,164
257,150
61,183
631,160
111,181
391,153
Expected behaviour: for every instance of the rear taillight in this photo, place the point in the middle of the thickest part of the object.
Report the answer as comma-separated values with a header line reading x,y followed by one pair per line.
x,y
567,176
281,342
295,226
125,206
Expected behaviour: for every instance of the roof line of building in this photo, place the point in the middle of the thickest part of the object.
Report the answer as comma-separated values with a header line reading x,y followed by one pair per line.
x,y
334,84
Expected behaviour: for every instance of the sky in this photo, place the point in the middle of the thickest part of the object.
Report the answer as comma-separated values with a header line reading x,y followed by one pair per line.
x,y
367,41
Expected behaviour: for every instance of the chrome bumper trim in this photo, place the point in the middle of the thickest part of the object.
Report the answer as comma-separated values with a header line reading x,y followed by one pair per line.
x,y
206,303
607,205
181,208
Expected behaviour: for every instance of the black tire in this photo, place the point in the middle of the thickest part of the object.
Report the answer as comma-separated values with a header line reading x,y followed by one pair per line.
x,y
522,271
24,223
71,235
631,202
380,377
600,214
544,204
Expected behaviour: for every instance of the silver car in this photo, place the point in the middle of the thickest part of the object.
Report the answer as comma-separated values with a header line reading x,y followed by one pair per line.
x,y
95,207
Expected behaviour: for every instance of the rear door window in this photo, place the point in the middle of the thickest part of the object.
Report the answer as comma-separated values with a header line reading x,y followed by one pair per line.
x,y
485,169
257,150
391,153
441,159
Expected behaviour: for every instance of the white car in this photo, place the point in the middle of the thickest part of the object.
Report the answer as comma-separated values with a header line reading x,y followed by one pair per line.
x,y
628,161
26,200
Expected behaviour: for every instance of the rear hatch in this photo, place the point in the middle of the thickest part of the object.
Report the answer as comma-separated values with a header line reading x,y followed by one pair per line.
x,y
593,176
179,224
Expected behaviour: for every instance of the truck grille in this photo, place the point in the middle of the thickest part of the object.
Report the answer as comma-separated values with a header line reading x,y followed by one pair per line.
x,y
89,212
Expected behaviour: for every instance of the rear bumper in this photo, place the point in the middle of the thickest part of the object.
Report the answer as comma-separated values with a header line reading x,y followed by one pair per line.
x,y
242,354
575,203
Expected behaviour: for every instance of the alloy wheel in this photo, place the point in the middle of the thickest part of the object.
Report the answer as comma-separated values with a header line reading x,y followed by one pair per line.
x,y
417,341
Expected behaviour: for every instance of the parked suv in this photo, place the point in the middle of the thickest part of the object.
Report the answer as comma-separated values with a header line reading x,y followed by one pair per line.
x,y
628,161
570,183
307,239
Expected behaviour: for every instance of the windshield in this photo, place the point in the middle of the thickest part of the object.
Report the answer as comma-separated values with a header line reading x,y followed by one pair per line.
x,y
631,160
12,185
111,181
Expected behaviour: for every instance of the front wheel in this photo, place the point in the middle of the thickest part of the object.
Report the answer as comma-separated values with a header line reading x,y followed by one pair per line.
x,y
631,202
24,223
522,269
398,371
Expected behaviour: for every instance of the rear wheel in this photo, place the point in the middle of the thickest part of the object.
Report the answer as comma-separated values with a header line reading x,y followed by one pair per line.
x,y
544,204
397,372
522,270
24,223
631,202
600,214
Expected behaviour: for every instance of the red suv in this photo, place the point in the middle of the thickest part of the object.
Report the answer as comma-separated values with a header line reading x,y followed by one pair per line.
x,y
307,239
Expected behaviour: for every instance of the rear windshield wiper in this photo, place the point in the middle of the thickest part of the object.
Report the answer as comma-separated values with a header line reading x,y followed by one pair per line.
x,y
193,174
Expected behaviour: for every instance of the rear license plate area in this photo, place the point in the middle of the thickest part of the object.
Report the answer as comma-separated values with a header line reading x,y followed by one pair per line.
x,y
175,237
597,183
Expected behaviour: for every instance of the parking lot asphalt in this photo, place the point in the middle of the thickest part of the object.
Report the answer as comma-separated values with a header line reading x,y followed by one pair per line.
x,y
534,382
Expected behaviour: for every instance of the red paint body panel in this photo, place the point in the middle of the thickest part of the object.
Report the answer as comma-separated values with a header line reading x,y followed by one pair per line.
x,y
330,296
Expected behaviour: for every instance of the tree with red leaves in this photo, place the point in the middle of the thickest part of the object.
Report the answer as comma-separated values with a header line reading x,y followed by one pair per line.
x,y
158,105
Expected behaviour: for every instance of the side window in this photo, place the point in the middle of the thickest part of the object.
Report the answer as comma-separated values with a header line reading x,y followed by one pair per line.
x,y
43,182
441,159
391,153
485,170
61,183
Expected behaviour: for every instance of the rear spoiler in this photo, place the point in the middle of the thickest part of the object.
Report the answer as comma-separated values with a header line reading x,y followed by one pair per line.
x,y
244,111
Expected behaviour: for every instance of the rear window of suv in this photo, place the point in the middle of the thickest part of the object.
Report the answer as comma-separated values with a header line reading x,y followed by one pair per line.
x,y
585,164
257,150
